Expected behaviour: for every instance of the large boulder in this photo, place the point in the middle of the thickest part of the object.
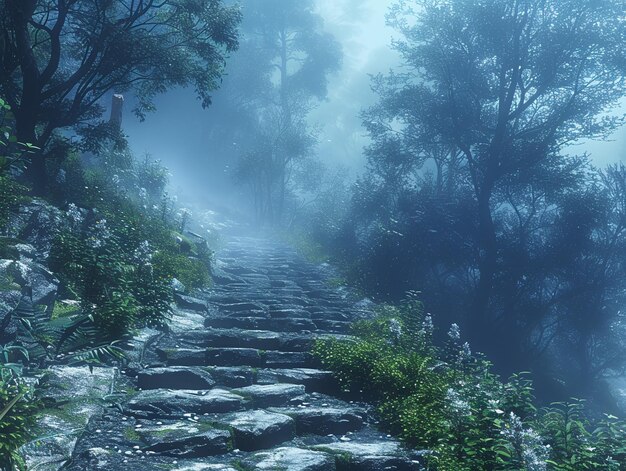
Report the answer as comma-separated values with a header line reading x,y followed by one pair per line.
x,y
34,279
37,223
259,429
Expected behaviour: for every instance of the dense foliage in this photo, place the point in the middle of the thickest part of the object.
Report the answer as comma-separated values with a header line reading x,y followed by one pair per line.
x,y
59,58
447,401
18,406
17,402
119,258
13,158
472,194
117,250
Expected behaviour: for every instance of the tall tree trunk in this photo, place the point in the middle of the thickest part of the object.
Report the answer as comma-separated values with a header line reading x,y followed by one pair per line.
x,y
487,243
20,12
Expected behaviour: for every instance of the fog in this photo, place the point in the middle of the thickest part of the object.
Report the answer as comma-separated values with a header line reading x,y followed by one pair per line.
x,y
340,139
177,132
414,204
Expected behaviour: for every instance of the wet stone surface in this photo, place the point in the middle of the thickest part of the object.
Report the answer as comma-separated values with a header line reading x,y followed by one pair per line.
x,y
232,385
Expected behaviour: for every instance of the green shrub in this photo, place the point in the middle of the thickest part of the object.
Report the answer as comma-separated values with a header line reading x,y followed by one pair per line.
x,y
120,257
193,273
18,406
447,400
13,157
112,276
578,444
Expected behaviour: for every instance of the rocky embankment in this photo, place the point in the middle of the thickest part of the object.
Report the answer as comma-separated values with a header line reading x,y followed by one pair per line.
x,y
231,387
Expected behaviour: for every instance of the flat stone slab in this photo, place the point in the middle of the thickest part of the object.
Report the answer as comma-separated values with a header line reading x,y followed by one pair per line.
x,y
271,394
183,356
185,440
104,459
189,303
203,467
370,456
293,459
233,377
383,448
83,392
324,420
312,379
275,359
234,357
260,323
260,429
246,338
241,307
175,377
170,403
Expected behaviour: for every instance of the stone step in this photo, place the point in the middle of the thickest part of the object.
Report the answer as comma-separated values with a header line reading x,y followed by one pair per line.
x,y
324,420
254,323
234,357
313,380
272,395
176,403
184,440
176,377
259,429
292,459
370,455
339,327
234,376
182,356
240,307
260,339
274,359
253,357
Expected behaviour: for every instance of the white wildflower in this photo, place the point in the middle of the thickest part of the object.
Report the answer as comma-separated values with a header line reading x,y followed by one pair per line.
x,y
143,253
396,329
102,230
455,332
427,326
527,443
466,352
458,406
74,214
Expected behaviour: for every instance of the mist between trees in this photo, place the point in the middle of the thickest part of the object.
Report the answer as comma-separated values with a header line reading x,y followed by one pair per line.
x,y
471,193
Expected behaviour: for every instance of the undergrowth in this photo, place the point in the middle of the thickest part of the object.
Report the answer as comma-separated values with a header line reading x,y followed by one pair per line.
x,y
446,400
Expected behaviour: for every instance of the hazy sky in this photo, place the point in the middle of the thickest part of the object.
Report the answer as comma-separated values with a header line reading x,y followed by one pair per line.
x,y
171,134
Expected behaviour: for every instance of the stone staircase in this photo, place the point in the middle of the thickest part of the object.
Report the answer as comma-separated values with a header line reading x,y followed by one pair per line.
x,y
233,386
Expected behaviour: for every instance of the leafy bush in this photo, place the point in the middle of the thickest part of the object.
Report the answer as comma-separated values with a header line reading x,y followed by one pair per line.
x,y
120,257
17,408
446,400
13,156
111,275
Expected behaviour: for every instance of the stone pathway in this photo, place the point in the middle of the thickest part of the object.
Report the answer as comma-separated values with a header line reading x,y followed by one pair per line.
x,y
233,385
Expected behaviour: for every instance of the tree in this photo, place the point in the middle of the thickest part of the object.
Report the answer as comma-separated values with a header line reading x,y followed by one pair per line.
x,y
58,58
507,84
295,55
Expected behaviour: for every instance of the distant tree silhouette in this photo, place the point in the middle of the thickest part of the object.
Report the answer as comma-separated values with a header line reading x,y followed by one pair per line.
x,y
470,195
296,56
